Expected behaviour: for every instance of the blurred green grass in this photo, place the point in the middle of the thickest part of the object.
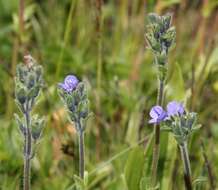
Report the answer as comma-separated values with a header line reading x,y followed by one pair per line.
x,y
62,34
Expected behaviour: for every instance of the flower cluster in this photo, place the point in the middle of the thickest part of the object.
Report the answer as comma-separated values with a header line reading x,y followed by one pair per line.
x,y
175,119
69,84
158,114
28,83
160,37
74,96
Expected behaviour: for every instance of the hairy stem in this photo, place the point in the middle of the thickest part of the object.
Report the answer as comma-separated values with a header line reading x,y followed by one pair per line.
x,y
27,152
156,148
26,178
81,154
186,164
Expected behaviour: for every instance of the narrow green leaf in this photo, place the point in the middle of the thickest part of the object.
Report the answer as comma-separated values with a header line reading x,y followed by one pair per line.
x,y
133,126
134,168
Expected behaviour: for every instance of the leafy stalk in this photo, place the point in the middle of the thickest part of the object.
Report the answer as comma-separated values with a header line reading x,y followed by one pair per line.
x,y
181,124
160,36
74,95
28,83
27,150
156,148
81,154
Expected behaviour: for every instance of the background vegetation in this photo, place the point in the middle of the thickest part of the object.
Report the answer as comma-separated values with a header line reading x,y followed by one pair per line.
x,y
105,47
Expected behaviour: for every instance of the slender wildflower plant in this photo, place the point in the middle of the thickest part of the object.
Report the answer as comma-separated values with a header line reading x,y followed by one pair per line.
x,y
28,83
74,95
181,124
160,37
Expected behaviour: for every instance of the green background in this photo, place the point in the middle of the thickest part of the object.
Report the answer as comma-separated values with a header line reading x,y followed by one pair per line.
x,y
71,37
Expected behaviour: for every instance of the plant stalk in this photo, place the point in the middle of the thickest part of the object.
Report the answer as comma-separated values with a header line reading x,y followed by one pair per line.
x,y
156,148
81,154
27,151
186,164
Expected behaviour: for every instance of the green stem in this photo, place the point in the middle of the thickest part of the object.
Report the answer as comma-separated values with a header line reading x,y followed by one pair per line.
x,y
81,154
156,148
186,164
27,152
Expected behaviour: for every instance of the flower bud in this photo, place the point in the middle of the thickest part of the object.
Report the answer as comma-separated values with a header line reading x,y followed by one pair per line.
x,y
160,36
31,81
74,96
167,21
83,109
37,128
20,94
20,125
34,92
154,18
38,71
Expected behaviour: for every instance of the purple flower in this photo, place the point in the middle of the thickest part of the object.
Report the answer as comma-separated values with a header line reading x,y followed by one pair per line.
x,y
157,114
69,84
175,108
